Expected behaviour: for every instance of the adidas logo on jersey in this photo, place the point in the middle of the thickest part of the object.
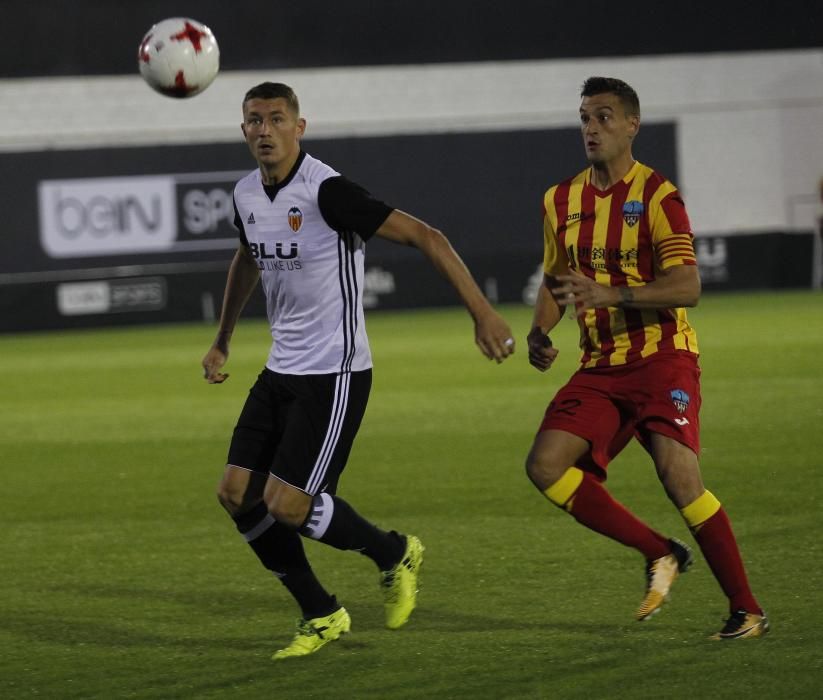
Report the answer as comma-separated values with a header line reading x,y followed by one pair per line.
x,y
250,220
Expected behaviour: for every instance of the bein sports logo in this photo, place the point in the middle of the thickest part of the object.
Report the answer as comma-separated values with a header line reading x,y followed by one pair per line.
x,y
111,296
90,217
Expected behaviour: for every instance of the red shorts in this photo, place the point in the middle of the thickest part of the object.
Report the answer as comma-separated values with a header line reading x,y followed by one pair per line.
x,y
608,405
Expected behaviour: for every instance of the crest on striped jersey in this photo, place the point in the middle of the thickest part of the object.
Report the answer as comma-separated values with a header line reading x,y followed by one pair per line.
x,y
632,211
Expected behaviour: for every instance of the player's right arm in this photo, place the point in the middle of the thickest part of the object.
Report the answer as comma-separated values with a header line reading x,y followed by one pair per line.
x,y
546,316
241,280
547,312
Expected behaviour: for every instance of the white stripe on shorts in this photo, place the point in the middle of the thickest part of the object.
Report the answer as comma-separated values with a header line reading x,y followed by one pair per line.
x,y
338,413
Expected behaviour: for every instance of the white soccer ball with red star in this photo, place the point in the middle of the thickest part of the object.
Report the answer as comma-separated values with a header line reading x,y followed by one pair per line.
x,y
179,57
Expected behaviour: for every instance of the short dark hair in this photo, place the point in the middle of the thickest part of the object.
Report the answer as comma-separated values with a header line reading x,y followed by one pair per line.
x,y
271,91
597,85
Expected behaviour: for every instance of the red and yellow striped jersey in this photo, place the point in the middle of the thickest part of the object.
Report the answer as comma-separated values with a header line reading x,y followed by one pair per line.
x,y
625,235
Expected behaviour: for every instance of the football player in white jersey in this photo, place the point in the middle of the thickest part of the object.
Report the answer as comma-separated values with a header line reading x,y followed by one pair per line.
x,y
303,229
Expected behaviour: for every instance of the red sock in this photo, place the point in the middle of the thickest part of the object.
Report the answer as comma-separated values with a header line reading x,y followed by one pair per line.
x,y
593,507
719,547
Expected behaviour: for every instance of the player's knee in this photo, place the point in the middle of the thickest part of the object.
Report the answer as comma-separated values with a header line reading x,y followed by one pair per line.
x,y
234,494
291,512
543,470
291,517
533,468
230,498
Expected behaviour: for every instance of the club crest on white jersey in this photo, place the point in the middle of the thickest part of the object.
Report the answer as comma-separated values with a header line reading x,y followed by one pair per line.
x,y
295,219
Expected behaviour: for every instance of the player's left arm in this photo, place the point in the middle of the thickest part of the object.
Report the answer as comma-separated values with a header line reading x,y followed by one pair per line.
x,y
677,282
492,334
674,287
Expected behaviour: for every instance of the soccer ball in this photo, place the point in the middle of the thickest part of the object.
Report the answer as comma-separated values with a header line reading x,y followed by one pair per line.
x,y
179,57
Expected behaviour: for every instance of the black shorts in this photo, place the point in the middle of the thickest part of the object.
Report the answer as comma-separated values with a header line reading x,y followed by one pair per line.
x,y
300,428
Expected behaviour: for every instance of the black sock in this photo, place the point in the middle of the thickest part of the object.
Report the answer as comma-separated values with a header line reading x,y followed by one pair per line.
x,y
281,551
334,522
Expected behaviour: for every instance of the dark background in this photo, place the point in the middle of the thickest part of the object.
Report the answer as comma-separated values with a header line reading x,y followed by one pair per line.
x,y
95,37
483,189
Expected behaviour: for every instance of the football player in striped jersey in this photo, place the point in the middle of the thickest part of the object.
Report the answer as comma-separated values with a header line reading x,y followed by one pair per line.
x,y
618,251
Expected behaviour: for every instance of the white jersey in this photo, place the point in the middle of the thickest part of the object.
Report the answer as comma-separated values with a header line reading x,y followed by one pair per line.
x,y
307,234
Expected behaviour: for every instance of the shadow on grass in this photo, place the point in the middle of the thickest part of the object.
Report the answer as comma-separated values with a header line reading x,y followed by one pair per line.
x,y
96,620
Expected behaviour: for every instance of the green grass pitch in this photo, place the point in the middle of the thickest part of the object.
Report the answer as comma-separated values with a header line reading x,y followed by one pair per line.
x,y
122,577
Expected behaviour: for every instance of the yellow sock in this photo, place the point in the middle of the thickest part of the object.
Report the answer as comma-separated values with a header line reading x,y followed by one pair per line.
x,y
700,510
562,491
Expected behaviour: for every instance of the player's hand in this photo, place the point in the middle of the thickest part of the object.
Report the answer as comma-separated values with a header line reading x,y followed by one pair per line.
x,y
493,336
212,363
541,352
583,292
